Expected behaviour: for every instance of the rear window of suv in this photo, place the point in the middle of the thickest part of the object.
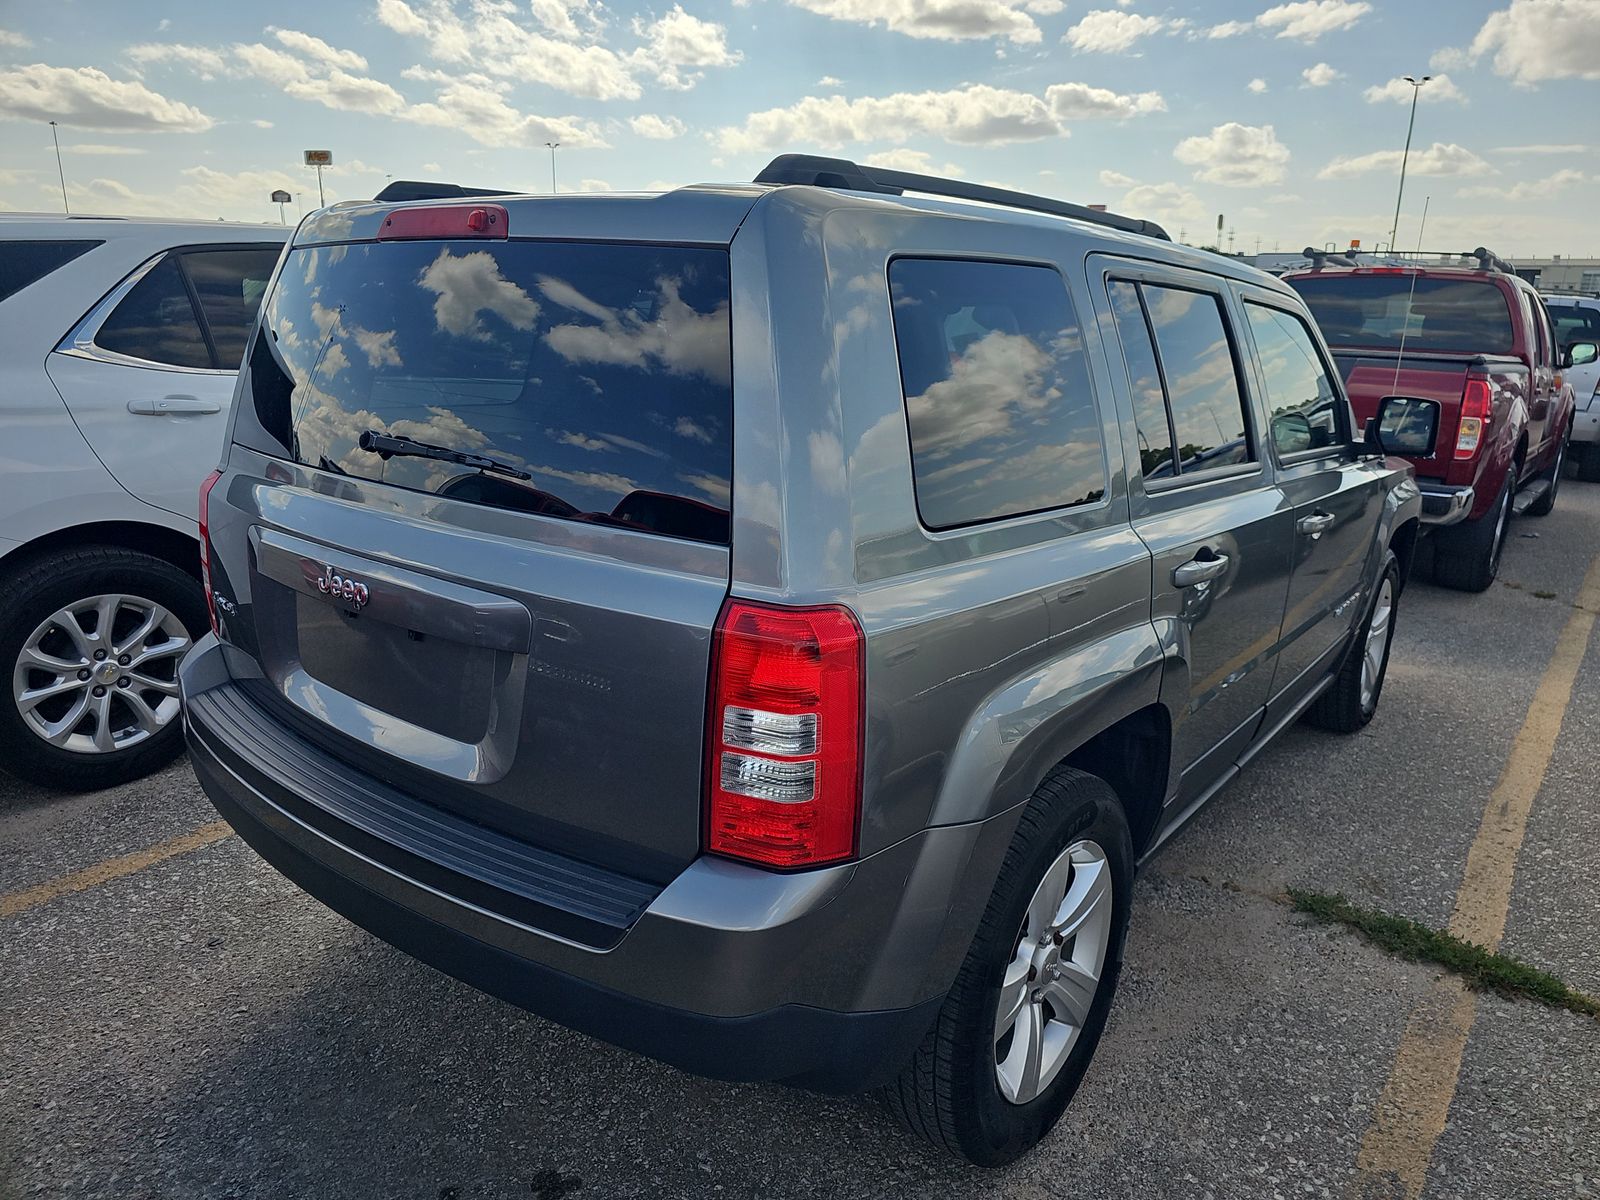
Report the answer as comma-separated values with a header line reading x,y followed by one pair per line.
x,y
597,378
1466,316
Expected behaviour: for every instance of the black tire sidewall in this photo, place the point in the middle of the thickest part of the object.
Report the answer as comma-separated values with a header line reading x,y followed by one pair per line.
x,y
993,1130
47,585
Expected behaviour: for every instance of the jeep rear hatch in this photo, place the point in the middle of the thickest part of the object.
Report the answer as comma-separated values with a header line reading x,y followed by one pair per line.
x,y
503,604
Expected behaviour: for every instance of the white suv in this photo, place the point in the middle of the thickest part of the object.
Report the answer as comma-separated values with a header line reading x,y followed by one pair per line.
x,y
119,344
1577,320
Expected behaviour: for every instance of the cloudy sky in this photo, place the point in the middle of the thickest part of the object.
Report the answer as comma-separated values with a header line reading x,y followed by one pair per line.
x,y
1286,118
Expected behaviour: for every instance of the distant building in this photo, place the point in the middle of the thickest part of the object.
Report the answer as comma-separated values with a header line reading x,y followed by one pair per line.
x,y
1558,275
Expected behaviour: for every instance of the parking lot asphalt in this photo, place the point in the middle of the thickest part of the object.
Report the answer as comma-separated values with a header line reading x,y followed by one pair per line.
x,y
178,1020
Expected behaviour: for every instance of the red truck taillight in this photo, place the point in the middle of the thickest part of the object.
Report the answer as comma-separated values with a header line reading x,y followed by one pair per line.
x,y
1477,403
783,776
205,549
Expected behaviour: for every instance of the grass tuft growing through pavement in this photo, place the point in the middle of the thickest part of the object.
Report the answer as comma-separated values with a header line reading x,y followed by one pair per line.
x,y
1483,970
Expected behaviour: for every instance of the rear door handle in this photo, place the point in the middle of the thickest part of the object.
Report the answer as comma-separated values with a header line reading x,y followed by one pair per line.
x,y
1199,570
1316,524
172,404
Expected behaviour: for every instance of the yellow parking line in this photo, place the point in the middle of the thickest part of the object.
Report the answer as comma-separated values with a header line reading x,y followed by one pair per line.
x,y
112,868
1410,1114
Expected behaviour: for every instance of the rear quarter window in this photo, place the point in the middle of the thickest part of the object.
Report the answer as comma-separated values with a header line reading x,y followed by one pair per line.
x,y
25,262
599,376
998,403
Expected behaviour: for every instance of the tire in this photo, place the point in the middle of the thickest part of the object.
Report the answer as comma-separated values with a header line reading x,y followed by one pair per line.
x,y
1589,463
1350,703
1467,556
950,1094
1545,504
123,730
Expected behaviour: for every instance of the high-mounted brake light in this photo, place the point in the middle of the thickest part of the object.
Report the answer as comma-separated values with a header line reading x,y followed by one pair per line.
x,y
783,776
1477,404
445,221
205,549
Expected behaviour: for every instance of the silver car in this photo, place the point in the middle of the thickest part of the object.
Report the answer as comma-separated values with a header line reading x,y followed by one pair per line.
x,y
767,626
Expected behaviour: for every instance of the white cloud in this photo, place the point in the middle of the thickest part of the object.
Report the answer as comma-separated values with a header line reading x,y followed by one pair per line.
x,y
317,49
659,129
1536,40
1116,179
1235,155
1308,20
1440,89
594,185
90,99
1109,31
678,47
203,61
1528,190
350,93
969,116
1257,85
830,81
477,106
1170,204
1443,159
1320,75
9,37
944,20
1228,29
1566,148
260,124
918,162
98,149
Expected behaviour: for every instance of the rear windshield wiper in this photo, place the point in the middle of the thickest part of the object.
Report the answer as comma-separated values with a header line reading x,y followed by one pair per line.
x,y
390,445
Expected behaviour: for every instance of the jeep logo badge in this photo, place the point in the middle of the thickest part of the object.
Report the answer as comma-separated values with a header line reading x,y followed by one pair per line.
x,y
352,591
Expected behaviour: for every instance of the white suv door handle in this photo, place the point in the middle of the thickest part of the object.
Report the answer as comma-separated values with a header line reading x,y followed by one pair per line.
x,y
1316,524
172,404
1199,570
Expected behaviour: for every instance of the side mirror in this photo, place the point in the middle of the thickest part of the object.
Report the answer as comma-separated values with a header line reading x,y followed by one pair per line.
x,y
1578,354
1291,432
1405,426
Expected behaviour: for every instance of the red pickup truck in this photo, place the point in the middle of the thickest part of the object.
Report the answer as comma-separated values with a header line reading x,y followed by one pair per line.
x,y
1476,342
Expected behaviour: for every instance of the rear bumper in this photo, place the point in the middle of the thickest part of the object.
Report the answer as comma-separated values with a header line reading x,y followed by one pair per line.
x,y
825,978
1443,504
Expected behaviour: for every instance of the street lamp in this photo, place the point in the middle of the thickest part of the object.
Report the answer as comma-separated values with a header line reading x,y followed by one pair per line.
x,y
60,174
552,146
1416,90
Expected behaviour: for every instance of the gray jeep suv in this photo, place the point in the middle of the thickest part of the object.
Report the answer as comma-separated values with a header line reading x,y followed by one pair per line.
x,y
766,626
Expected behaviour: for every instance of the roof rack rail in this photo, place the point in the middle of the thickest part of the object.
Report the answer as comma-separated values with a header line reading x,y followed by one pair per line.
x,y
818,170
411,189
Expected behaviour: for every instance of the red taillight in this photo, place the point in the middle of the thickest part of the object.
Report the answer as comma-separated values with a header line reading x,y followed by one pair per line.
x,y
1477,404
783,776
205,549
445,221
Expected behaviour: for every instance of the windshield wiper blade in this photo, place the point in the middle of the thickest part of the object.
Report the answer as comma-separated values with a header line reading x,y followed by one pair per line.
x,y
391,445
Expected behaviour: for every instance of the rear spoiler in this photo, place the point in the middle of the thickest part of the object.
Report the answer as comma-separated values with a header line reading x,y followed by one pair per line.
x,y
402,190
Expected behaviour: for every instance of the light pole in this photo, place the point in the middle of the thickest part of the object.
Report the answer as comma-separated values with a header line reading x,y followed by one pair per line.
x,y
552,146
60,174
1416,90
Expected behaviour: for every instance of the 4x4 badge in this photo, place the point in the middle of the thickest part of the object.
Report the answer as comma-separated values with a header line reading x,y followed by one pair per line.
x,y
334,584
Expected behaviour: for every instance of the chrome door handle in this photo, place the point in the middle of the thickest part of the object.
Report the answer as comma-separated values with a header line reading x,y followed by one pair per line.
x,y
1316,524
172,404
1199,570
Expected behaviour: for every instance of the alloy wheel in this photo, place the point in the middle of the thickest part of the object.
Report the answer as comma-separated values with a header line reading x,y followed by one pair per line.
x,y
100,674
1377,643
1054,974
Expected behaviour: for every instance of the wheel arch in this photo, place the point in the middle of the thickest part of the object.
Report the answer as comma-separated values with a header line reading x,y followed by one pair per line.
x,y
172,546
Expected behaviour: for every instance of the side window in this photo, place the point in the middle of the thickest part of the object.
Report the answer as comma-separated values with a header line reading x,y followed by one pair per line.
x,y
156,321
1203,391
1306,409
230,284
27,261
997,392
1156,460
1547,332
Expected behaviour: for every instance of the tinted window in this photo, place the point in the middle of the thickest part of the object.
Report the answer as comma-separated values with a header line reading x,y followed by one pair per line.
x,y
1574,323
997,393
1202,383
156,322
1144,377
230,284
1468,316
602,372
1304,405
22,263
